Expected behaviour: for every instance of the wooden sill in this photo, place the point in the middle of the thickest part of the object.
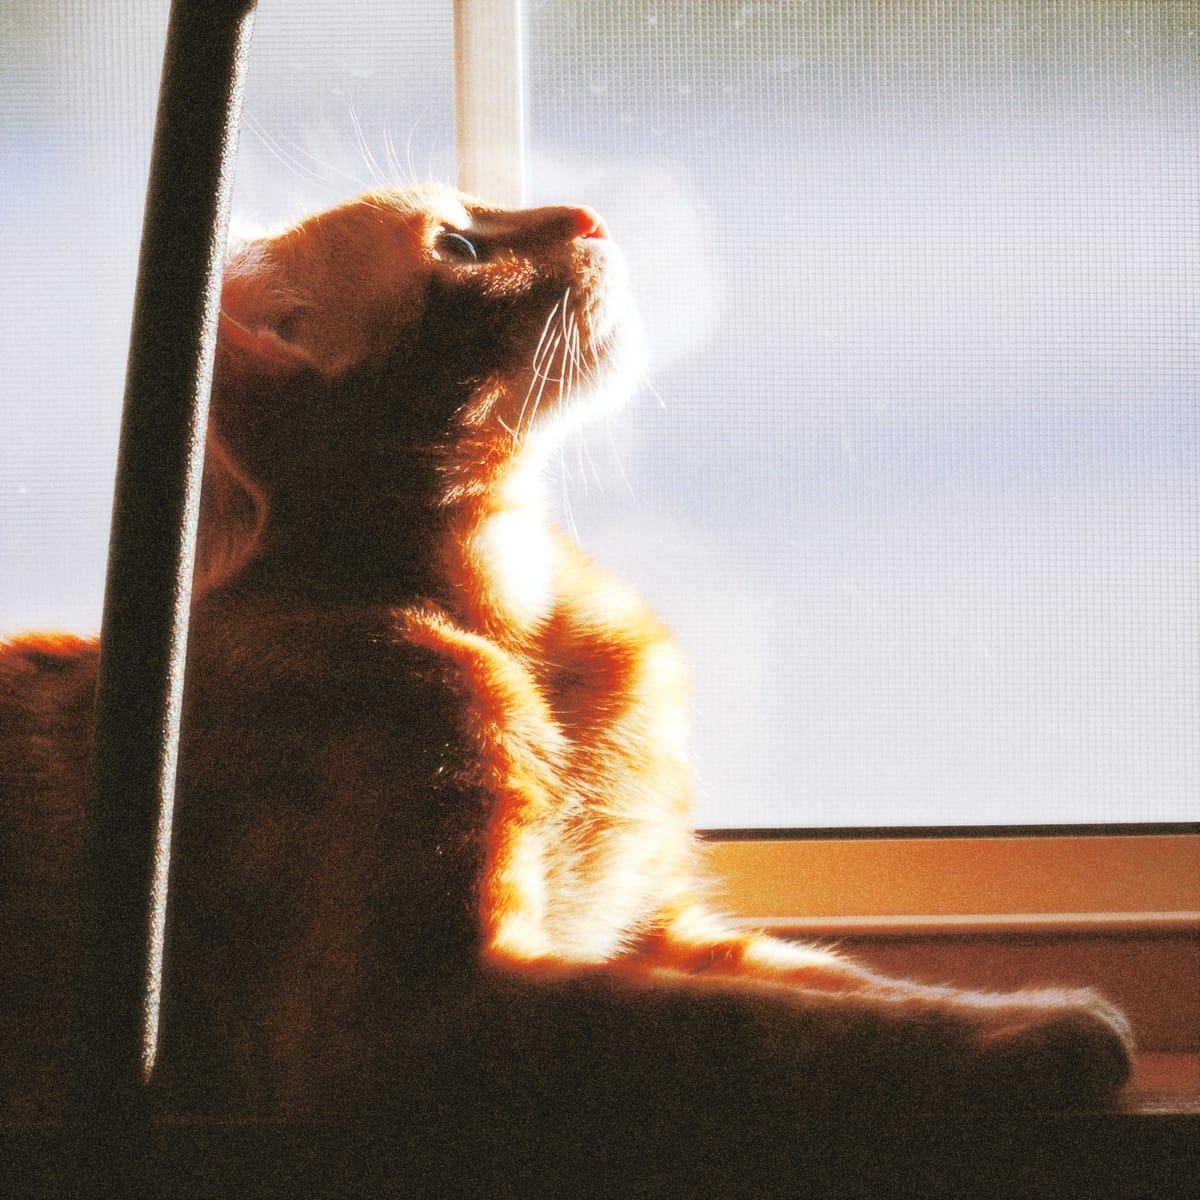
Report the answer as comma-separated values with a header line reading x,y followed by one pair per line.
x,y
839,877
1163,1085
954,925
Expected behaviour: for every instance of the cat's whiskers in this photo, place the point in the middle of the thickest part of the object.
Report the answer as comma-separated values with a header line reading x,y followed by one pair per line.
x,y
568,363
566,370
567,314
543,377
538,350
540,354
583,476
616,454
571,362
590,459
411,160
574,371
276,149
289,155
576,351
395,167
378,175
648,384
568,511
572,367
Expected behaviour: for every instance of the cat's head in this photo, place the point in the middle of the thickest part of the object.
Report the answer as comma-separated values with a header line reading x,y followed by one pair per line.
x,y
414,346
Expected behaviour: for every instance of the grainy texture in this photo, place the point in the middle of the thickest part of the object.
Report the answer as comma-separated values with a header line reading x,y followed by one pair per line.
x,y
433,853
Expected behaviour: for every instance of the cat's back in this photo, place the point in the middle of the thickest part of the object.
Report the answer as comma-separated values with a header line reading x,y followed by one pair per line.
x,y
330,820
47,696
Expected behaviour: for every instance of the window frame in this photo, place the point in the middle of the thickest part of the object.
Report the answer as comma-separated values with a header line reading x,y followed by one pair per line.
x,y
1061,875
868,877
489,99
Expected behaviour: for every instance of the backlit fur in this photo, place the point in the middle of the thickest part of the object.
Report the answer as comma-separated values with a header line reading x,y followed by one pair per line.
x,y
433,849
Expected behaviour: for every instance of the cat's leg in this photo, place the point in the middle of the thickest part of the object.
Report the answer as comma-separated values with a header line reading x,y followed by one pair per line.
x,y
1074,1033
743,1045
518,745
615,681
689,937
588,798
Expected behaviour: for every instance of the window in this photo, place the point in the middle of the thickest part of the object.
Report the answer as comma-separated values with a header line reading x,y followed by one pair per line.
x,y
917,483
78,90
922,493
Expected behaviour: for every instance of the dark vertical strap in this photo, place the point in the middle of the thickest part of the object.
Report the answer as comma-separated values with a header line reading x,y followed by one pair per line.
x,y
147,590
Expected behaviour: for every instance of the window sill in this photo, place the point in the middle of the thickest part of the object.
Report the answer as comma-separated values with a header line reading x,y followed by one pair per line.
x,y
848,876
1119,914
1163,1085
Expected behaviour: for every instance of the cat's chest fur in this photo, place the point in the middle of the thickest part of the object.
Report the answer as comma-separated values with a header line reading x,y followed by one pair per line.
x,y
513,555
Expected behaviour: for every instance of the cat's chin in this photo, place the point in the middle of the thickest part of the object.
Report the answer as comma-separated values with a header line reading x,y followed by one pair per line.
x,y
618,346
605,282
620,355
606,371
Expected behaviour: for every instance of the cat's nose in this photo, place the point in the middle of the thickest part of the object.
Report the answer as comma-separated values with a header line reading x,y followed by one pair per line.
x,y
588,223
546,225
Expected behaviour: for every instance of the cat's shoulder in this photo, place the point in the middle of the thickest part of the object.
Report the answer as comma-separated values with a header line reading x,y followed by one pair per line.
x,y
47,655
380,662
47,702
43,677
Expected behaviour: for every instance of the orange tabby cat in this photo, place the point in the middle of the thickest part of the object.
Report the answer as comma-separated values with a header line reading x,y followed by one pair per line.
x,y
433,850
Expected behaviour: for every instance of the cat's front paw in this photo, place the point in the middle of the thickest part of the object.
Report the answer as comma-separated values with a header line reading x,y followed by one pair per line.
x,y
1059,1049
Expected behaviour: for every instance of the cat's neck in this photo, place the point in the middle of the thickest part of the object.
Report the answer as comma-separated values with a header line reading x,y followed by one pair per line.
x,y
486,556
373,558
499,560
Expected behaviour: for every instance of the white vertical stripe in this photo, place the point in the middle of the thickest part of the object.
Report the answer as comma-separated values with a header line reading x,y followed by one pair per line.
x,y
489,99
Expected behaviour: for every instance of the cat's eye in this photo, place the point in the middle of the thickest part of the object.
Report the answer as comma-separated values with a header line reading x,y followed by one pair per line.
x,y
455,247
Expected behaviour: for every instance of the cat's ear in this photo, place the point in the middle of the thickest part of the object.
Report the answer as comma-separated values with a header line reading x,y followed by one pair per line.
x,y
233,514
273,353
260,313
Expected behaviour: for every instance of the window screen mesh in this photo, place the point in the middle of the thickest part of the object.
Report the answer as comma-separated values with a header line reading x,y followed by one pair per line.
x,y
78,89
78,86
917,482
